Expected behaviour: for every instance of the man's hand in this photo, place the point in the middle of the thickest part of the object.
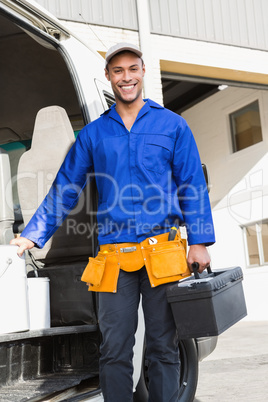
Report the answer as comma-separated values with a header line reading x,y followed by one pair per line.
x,y
23,243
198,253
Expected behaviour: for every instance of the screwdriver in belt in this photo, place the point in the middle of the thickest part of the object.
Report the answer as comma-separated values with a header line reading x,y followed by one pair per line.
x,y
172,233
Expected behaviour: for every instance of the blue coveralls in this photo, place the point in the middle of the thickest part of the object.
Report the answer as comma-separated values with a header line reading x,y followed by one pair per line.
x,y
148,178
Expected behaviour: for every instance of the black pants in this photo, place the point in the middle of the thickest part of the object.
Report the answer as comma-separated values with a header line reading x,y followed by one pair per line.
x,y
118,316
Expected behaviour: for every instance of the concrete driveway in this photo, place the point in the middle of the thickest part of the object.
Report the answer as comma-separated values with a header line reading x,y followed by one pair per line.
x,y
238,368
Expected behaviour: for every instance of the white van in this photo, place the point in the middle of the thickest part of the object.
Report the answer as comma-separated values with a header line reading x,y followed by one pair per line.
x,y
51,86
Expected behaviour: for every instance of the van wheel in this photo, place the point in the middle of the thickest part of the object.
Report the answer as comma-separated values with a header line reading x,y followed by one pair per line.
x,y
188,377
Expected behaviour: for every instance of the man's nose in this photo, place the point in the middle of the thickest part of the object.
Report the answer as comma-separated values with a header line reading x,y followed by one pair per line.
x,y
126,76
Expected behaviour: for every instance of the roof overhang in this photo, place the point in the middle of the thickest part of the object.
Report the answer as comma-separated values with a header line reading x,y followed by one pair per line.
x,y
214,73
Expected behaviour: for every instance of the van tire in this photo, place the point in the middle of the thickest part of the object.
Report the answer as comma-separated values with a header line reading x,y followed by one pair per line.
x,y
188,378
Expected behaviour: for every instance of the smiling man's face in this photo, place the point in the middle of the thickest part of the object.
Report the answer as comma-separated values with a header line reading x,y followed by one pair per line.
x,y
125,72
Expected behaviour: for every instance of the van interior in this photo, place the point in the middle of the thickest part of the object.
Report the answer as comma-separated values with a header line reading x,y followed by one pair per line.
x,y
31,77
40,116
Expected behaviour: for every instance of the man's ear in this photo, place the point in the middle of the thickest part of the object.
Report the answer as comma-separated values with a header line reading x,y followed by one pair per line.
x,y
143,70
107,74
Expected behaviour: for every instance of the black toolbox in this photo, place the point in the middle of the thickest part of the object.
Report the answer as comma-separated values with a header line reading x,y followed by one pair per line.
x,y
208,304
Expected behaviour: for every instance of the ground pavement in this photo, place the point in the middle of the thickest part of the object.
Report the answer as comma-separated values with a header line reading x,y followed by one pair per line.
x,y
238,368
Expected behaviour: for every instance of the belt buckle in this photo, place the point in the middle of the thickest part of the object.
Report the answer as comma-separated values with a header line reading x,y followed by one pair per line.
x,y
128,249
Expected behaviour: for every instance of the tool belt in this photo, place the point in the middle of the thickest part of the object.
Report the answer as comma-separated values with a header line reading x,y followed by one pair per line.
x,y
165,262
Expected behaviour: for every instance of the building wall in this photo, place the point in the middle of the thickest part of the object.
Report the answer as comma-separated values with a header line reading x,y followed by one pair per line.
x,y
233,22
113,13
215,145
239,180
202,55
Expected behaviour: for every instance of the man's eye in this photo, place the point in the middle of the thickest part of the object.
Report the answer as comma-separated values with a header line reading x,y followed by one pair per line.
x,y
117,71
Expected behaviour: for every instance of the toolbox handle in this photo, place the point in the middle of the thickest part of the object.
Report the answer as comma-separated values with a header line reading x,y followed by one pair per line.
x,y
195,267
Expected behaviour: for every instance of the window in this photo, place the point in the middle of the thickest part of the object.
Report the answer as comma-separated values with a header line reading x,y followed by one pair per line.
x,y
246,126
256,242
265,241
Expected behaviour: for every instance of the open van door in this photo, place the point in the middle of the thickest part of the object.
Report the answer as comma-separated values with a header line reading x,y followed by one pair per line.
x,y
48,93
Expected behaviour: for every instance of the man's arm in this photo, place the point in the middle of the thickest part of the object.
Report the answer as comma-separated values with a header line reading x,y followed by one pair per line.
x,y
193,197
61,198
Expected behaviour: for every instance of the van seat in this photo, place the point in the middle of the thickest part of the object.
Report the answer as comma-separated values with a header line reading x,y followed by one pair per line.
x,y
6,200
52,138
15,150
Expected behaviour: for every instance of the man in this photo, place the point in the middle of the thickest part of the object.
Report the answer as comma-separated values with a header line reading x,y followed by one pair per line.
x,y
149,176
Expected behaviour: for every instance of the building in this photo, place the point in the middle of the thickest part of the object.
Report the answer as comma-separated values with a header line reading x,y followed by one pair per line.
x,y
206,60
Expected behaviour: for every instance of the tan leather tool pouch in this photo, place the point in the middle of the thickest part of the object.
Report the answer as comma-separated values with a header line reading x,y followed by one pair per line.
x,y
101,273
94,271
168,259
165,261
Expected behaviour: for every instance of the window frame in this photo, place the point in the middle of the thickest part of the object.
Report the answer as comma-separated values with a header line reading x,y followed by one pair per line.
x,y
258,228
257,96
232,126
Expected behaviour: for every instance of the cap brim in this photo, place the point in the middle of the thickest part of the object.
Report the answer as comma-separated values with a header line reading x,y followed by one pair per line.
x,y
123,49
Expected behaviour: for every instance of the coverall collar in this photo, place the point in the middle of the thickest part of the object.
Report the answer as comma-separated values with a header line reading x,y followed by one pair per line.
x,y
112,113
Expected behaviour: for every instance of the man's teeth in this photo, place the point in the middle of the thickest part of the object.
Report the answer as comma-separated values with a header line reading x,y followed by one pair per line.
x,y
128,88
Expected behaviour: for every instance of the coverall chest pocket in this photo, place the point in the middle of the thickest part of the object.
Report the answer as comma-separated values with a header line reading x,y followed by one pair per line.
x,y
157,152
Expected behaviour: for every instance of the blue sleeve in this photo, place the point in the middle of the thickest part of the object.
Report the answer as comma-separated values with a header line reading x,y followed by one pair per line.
x,y
64,193
192,189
